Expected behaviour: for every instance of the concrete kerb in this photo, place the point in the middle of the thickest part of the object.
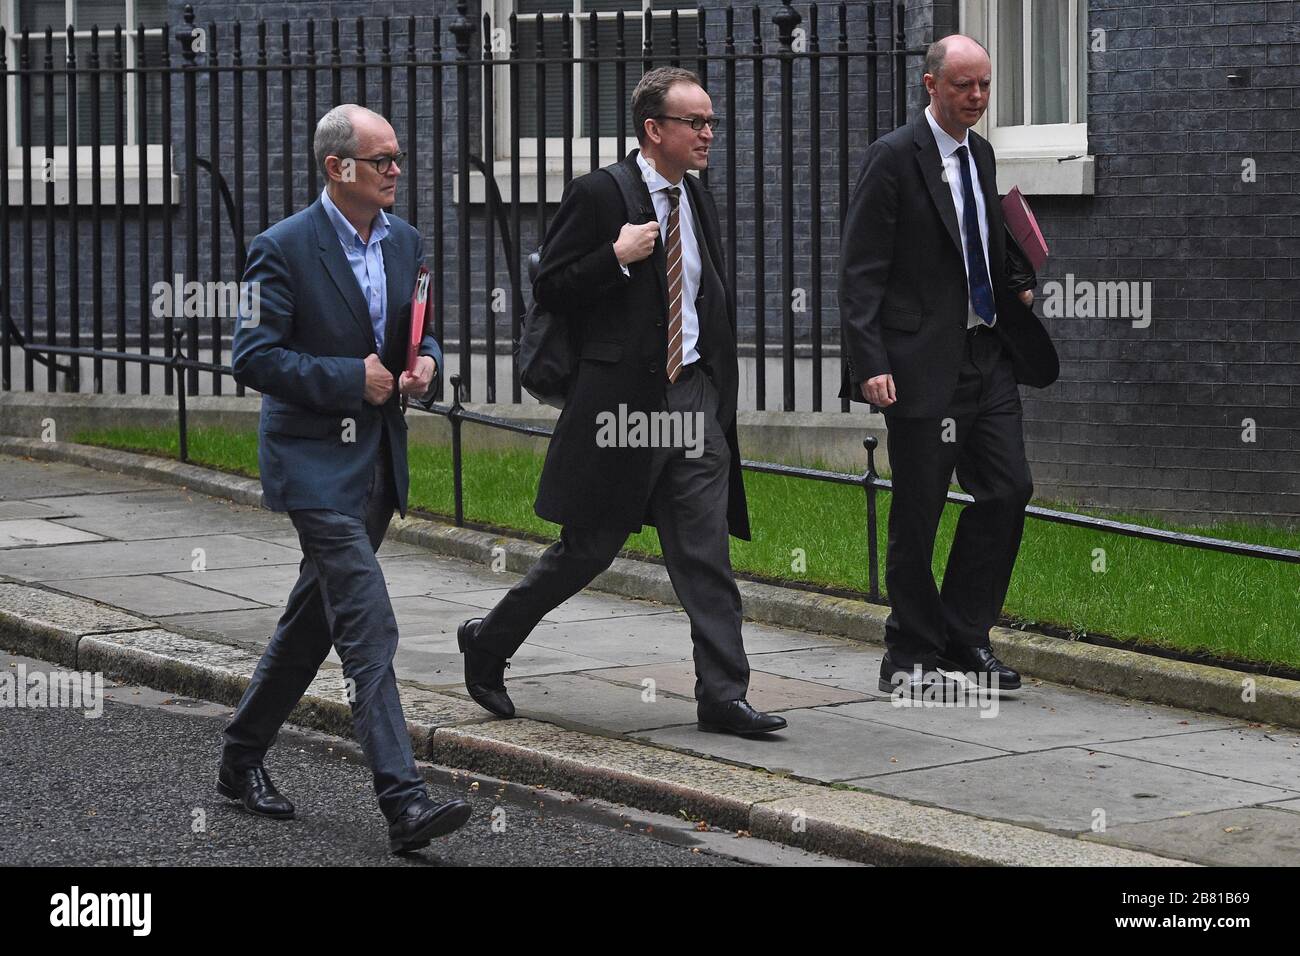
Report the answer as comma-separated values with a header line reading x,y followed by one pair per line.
x,y
1252,697
455,733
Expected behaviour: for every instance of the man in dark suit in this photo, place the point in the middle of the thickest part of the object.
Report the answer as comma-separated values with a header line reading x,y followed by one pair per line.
x,y
937,339
656,327
328,352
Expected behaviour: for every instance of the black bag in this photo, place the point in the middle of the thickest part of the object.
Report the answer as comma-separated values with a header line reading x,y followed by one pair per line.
x,y
547,354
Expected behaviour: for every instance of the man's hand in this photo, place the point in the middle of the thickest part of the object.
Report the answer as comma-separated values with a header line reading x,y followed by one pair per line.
x,y
879,391
417,383
379,381
1027,297
635,243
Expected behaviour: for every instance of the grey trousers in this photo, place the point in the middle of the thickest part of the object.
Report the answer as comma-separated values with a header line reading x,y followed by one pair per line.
x,y
689,507
340,599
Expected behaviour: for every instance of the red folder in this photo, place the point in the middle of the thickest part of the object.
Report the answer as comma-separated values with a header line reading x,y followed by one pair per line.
x,y
1024,227
419,308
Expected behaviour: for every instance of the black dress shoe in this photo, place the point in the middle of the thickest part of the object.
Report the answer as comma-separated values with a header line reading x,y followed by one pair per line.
x,y
918,683
736,717
485,674
980,661
417,825
253,788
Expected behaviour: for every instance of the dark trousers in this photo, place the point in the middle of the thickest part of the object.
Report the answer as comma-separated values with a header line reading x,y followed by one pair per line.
x,y
689,507
340,599
983,438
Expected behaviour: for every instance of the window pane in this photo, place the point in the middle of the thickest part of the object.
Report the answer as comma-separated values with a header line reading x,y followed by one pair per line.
x,y
609,93
1011,58
152,13
106,13
39,102
552,36
36,15
1051,81
602,6
688,31
153,91
543,6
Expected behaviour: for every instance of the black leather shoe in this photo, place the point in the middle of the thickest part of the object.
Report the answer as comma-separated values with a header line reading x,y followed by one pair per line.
x,y
918,683
253,788
980,661
736,717
485,674
423,820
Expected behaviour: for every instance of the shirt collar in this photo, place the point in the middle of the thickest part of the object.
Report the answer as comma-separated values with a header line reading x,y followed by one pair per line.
x,y
653,180
347,233
947,145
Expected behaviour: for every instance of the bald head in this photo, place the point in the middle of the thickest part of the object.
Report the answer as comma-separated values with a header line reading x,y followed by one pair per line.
x,y
958,77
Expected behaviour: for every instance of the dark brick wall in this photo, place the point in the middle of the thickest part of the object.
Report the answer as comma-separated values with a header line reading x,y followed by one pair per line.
x,y
1152,419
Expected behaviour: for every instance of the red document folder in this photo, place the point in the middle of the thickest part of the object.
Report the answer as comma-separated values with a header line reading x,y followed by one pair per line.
x,y
419,309
1024,227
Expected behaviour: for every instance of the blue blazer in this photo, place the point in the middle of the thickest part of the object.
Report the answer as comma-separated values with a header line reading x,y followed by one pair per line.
x,y
318,437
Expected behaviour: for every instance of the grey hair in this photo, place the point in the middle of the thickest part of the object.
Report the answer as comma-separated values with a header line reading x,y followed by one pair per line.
x,y
938,50
335,134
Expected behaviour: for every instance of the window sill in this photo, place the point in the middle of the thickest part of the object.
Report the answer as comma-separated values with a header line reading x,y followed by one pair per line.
x,y
131,180
1046,175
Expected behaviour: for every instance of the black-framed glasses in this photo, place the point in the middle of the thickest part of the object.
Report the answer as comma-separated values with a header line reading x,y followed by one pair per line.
x,y
382,163
697,123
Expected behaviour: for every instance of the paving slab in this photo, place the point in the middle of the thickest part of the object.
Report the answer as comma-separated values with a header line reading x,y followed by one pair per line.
x,y
71,561
288,538
152,594
581,607
443,665
1243,836
146,515
26,478
573,700
820,746
30,532
1041,718
253,626
840,664
1264,755
1061,789
28,509
653,638
766,691
1290,805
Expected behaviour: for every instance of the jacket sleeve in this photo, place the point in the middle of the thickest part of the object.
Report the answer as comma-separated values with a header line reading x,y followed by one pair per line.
x,y
261,357
578,267
866,255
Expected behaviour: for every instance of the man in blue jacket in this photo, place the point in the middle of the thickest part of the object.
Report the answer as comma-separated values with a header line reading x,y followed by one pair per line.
x,y
327,350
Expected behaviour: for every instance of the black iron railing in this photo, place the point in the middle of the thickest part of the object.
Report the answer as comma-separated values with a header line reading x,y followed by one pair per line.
x,y
238,107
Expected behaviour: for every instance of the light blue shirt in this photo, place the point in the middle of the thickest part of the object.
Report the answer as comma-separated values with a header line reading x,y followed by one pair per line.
x,y
952,174
367,262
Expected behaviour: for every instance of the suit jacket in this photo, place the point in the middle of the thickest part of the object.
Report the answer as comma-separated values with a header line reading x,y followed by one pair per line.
x,y
318,437
621,327
903,294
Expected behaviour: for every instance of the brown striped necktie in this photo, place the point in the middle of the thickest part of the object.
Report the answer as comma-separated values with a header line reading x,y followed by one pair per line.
x,y
674,250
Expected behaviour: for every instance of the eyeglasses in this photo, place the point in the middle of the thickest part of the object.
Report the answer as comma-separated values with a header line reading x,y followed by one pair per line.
x,y
382,163
697,122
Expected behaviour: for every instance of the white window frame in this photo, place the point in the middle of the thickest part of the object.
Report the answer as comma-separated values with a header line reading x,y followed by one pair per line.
x,y
131,173
500,11
1042,158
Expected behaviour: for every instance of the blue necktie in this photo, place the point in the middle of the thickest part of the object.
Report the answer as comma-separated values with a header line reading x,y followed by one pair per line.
x,y
981,290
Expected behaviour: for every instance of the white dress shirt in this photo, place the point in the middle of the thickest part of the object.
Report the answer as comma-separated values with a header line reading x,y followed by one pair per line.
x,y
952,173
690,251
